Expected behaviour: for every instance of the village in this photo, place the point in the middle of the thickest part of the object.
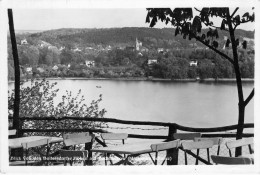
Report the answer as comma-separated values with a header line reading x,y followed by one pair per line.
x,y
133,60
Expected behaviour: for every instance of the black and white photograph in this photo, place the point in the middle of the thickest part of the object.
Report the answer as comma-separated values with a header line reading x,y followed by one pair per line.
x,y
122,87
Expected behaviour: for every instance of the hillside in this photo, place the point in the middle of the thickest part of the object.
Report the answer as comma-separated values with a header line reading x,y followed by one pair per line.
x,y
104,53
151,37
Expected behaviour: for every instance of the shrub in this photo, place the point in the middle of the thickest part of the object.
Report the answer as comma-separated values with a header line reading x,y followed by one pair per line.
x,y
38,100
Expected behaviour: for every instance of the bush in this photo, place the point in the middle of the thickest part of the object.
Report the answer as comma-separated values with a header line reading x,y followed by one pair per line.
x,y
38,99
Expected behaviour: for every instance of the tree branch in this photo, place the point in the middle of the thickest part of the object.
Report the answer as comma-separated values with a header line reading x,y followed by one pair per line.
x,y
251,95
215,26
234,12
241,22
207,13
216,50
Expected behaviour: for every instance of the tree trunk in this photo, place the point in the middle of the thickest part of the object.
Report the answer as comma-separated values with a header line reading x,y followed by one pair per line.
x,y
241,117
241,106
16,124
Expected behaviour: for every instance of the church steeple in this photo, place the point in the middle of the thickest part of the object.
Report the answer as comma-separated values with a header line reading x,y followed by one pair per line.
x,y
137,44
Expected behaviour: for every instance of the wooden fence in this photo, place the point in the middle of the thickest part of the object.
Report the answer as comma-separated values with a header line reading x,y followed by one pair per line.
x,y
172,128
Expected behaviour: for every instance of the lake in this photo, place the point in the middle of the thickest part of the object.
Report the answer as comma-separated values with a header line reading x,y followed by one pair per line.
x,y
192,104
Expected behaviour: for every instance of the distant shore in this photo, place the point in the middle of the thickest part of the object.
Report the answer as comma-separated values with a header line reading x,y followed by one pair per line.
x,y
151,79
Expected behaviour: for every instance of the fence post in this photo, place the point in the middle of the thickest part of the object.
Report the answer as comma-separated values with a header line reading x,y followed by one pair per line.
x,y
88,146
172,154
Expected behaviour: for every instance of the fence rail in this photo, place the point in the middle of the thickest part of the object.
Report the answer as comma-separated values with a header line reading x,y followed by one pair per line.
x,y
129,122
172,128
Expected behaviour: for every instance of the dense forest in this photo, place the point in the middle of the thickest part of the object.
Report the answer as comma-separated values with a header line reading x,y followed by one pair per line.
x,y
115,54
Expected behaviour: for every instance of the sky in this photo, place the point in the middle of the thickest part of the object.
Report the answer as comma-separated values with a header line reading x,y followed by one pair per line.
x,y
46,19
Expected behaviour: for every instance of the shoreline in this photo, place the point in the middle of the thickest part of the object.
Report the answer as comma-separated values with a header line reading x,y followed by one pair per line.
x,y
251,80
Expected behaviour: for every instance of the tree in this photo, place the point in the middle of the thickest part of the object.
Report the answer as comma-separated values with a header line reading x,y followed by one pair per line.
x,y
190,26
66,56
39,100
16,73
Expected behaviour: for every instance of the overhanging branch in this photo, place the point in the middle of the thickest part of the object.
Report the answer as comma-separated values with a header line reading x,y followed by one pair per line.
x,y
234,12
241,22
216,50
214,26
251,95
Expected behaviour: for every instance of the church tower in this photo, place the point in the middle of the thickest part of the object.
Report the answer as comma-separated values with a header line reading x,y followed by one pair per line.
x,y
137,44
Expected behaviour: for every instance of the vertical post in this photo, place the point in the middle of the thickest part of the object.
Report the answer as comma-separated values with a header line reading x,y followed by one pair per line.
x,y
16,124
197,160
88,146
172,154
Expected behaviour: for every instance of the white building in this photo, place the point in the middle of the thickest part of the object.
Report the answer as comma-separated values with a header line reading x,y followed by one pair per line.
x,y
138,44
160,50
24,41
90,63
61,48
29,70
193,63
55,68
150,61
77,50
108,48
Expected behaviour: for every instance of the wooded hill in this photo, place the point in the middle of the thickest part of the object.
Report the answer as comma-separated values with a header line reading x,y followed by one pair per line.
x,y
150,37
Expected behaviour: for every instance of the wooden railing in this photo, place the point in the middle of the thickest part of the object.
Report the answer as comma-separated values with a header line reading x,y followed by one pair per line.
x,y
172,128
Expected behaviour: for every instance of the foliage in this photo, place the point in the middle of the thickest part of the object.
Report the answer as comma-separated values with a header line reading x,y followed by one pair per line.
x,y
189,26
118,57
40,100
28,55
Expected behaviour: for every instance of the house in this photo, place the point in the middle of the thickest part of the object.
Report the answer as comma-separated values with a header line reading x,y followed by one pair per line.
x,y
29,70
144,49
160,50
151,61
140,54
43,44
61,48
41,70
108,48
55,68
90,63
248,39
76,50
24,41
193,63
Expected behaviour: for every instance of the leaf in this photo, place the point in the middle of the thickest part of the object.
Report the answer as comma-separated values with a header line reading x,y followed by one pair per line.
x,y
237,19
153,22
196,25
252,19
246,15
167,20
203,37
215,44
227,43
244,44
237,42
148,18
209,33
177,31
223,23
216,33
